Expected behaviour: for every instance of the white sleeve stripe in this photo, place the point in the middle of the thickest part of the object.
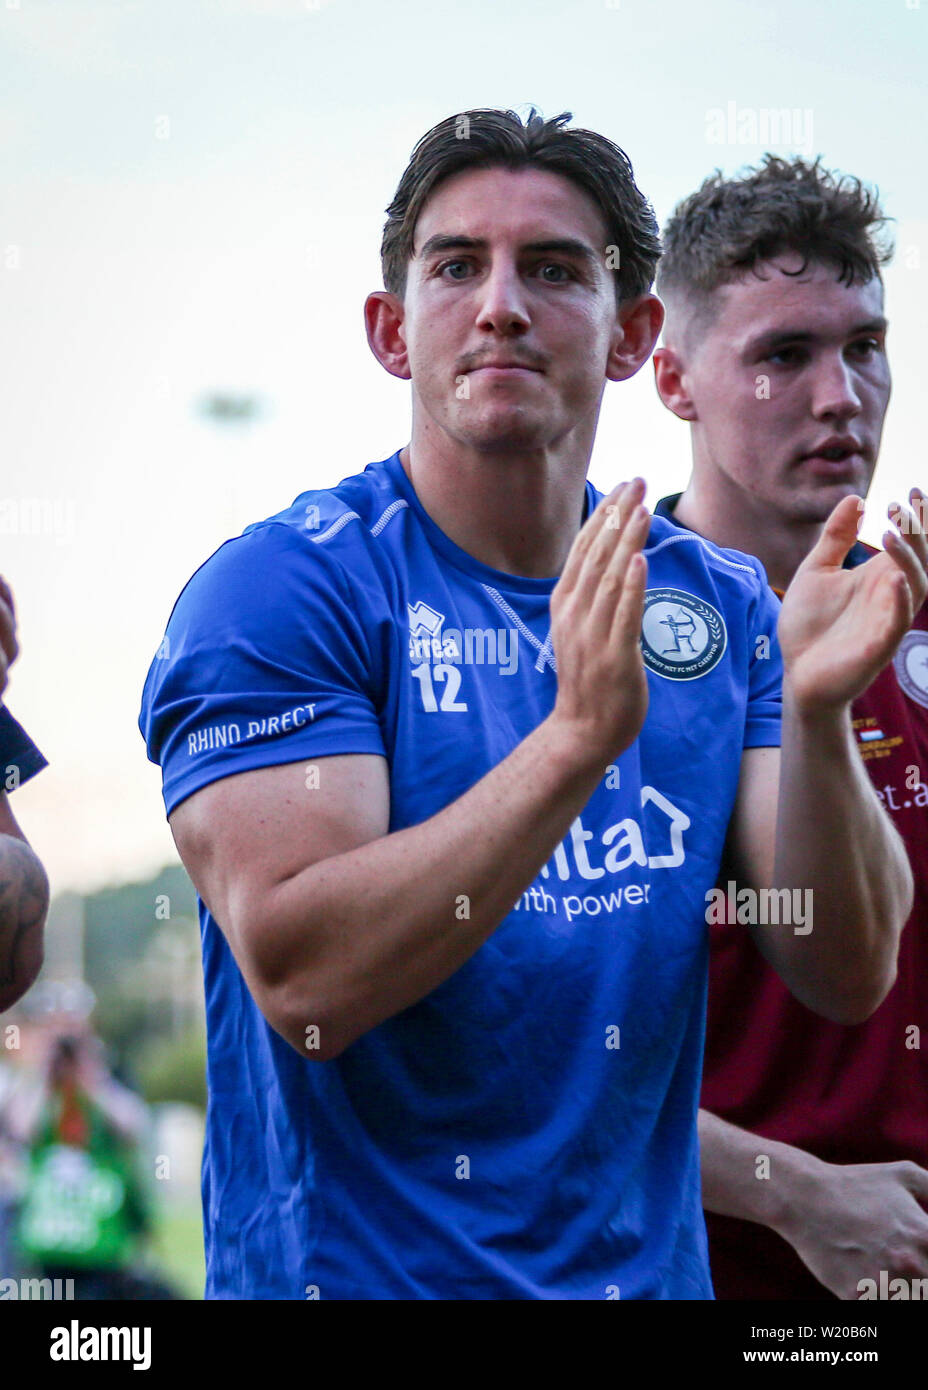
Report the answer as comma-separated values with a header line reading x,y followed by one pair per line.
x,y
391,511
335,527
707,545
376,529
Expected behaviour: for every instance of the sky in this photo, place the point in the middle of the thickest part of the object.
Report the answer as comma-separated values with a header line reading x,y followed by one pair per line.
x,y
191,203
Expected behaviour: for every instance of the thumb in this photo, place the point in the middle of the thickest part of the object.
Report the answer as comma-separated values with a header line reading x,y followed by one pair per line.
x,y
839,534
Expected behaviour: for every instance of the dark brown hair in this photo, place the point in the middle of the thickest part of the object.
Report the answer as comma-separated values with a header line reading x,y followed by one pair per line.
x,y
729,226
487,138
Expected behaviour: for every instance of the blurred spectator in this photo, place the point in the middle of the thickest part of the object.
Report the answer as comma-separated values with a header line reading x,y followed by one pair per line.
x,y
10,1164
85,1210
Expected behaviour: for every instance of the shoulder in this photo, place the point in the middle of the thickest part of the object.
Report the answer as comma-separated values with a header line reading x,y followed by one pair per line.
x,y
341,520
676,554
323,541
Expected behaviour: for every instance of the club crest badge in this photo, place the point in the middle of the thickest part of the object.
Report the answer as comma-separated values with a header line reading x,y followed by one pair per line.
x,y
682,636
911,663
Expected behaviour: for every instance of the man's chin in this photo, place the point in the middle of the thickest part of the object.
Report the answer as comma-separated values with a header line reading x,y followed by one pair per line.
x,y
512,436
815,505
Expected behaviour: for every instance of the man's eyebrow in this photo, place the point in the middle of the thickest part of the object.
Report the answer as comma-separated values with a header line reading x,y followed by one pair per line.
x,y
566,246
877,325
450,243
563,246
780,337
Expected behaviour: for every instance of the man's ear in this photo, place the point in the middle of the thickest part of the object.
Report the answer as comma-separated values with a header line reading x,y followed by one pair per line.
x,y
637,329
672,387
384,320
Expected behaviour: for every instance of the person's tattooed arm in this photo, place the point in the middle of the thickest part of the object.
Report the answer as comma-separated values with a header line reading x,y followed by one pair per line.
x,y
23,908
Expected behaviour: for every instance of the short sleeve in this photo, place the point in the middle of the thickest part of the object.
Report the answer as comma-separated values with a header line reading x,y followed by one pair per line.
x,y
20,759
265,660
765,671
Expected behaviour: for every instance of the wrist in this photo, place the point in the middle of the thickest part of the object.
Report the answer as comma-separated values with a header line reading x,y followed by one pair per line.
x,y
797,1194
574,746
812,712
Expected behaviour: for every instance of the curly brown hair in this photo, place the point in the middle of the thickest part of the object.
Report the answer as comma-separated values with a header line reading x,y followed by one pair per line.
x,y
731,225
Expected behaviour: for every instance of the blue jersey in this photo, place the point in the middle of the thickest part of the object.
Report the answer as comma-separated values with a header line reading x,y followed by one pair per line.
x,y
528,1129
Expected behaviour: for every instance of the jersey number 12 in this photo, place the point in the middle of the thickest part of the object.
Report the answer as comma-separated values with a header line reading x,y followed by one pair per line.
x,y
450,676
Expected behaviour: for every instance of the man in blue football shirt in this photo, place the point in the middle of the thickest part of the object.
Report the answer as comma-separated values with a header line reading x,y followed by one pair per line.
x,y
454,752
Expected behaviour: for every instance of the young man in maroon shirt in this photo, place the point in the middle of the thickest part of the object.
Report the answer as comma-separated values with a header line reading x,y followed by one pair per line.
x,y
814,1136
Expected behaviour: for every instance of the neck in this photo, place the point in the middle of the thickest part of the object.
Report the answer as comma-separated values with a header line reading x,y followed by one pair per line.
x,y
518,512
728,517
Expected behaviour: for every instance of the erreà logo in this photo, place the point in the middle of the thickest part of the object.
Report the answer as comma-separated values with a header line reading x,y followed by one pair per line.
x,y
682,636
424,621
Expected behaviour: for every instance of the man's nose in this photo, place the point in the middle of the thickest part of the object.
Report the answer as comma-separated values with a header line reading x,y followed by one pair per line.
x,y
835,390
503,307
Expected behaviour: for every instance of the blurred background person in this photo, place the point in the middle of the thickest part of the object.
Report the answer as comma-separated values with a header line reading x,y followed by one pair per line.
x,y
86,1212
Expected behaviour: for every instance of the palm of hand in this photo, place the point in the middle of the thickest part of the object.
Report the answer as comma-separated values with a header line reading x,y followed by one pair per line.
x,y
839,627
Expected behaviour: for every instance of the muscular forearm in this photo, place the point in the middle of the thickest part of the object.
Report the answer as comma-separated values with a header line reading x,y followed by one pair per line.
x,y
23,908
747,1176
834,839
359,936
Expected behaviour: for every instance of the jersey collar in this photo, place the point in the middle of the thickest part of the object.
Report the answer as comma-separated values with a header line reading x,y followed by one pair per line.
x,y
858,553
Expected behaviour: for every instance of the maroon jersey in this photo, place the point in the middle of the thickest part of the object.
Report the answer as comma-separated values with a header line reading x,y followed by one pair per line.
x,y
849,1094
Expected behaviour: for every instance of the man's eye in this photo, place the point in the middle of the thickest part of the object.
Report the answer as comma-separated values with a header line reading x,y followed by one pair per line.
x,y
865,347
454,267
561,273
787,356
